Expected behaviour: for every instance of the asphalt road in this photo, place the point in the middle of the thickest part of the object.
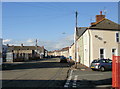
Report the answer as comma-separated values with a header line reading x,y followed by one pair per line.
x,y
35,74
86,78
51,74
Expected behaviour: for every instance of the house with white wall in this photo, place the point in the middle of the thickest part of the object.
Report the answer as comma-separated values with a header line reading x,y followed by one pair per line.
x,y
98,41
0,51
72,51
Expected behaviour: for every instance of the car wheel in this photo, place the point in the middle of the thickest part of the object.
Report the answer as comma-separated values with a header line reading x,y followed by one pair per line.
x,y
102,69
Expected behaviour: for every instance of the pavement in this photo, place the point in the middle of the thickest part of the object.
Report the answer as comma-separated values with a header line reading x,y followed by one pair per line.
x,y
83,77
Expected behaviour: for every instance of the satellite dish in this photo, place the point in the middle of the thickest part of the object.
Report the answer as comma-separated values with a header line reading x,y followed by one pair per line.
x,y
104,11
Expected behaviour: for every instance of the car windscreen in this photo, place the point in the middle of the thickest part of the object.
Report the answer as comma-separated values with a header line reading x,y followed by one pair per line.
x,y
95,61
106,61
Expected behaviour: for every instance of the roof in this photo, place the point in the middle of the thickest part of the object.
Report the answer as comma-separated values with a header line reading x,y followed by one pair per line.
x,y
80,31
65,49
105,24
10,48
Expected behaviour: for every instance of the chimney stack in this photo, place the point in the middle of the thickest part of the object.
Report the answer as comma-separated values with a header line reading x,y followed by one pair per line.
x,y
21,45
99,17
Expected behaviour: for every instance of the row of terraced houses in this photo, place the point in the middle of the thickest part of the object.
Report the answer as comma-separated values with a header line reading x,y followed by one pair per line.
x,y
12,53
100,40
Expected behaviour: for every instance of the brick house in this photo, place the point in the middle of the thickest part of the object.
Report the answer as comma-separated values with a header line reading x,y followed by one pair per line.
x,y
23,53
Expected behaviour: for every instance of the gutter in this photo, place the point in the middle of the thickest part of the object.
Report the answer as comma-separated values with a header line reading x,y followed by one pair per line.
x,y
89,46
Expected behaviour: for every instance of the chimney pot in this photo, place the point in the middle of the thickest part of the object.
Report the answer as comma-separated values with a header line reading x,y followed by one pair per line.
x,y
100,12
22,45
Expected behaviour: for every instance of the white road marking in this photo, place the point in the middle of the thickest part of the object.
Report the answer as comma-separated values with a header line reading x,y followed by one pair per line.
x,y
71,72
75,80
91,74
74,86
65,85
69,79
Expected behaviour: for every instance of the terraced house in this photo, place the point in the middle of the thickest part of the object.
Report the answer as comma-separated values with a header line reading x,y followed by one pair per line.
x,y
23,53
100,40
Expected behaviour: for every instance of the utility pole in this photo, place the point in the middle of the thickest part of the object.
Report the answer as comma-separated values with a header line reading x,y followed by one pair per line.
x,y
75,42
36,42
76,16
36,48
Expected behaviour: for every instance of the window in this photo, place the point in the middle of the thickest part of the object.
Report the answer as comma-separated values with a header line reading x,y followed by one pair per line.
x,y
113,51
101,53
103,61
117,37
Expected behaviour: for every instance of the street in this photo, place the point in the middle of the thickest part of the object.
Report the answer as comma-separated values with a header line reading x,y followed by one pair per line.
x,y
42,73
86,78
49,73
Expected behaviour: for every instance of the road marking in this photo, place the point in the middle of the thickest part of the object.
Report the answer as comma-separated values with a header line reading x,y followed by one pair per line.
x,y
91,74
65,85
74,82
74,86
68,80
71,72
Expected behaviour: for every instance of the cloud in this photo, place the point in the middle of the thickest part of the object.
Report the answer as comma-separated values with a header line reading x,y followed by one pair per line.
x,y
48,44
6,40
30,40
64,42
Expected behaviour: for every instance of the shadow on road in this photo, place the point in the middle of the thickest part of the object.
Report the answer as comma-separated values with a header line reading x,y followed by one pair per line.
x,y
55,84
34,65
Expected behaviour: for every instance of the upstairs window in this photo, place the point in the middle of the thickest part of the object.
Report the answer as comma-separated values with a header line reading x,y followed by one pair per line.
x,y
117,37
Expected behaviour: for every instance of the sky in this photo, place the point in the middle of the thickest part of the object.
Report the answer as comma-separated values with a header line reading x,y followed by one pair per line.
x,y
51,23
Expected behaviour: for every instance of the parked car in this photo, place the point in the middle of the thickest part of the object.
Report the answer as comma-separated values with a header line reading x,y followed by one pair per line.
x,y
63,59
101,64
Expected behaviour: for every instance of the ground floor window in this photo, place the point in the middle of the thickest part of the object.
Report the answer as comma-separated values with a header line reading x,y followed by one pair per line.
x,y
101,53
113,51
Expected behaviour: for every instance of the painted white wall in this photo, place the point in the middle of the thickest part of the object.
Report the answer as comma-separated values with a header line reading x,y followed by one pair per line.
x,y
109,37
72,52
95,44
86,48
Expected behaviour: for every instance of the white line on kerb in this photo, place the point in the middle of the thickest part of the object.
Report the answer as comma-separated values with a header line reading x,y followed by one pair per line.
x,y
68,80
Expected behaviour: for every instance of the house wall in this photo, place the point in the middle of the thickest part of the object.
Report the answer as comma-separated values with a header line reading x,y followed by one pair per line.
x,y
23,51
86,50
109,37
9,57
80,50
65,53
72,52
89,45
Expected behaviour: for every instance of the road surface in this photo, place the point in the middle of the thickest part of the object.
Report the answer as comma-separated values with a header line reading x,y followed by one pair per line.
x,y
42,73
